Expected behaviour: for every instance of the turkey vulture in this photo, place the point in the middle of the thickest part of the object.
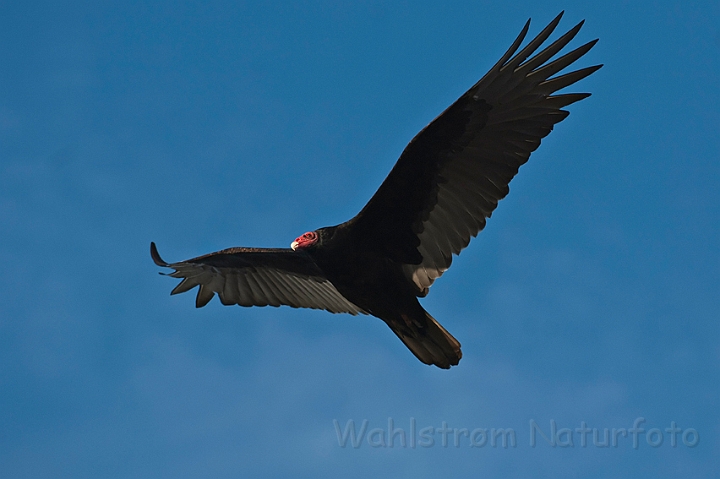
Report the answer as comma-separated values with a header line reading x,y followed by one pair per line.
x,y
438,195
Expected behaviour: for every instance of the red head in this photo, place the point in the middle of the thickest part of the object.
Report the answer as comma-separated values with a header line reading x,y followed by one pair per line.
x,y
307,239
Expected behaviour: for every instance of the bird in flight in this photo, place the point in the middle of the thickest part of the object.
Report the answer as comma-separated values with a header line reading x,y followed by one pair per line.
x,y
437,197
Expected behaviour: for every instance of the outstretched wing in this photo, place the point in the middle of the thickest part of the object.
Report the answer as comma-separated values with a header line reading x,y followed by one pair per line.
x,y
257,277
451,176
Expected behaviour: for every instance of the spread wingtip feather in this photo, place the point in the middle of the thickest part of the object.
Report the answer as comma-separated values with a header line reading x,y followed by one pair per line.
x,y
156,256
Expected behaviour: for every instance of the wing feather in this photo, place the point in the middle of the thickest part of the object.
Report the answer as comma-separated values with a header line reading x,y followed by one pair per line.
x,y
205,294
230,294
185,285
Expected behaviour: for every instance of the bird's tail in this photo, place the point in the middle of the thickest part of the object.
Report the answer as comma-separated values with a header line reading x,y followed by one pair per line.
x,y
428,341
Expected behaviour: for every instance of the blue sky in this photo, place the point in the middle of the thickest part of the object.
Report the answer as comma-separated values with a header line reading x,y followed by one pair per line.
x,y
591,296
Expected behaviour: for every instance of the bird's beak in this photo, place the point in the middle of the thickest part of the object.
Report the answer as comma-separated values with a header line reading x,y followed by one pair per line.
x,y
294,245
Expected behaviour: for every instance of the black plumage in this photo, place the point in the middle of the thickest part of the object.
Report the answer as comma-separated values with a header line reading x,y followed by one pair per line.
x,y
438,196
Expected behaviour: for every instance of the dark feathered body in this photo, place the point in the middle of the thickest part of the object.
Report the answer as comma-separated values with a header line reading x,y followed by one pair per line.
x,y
444,186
